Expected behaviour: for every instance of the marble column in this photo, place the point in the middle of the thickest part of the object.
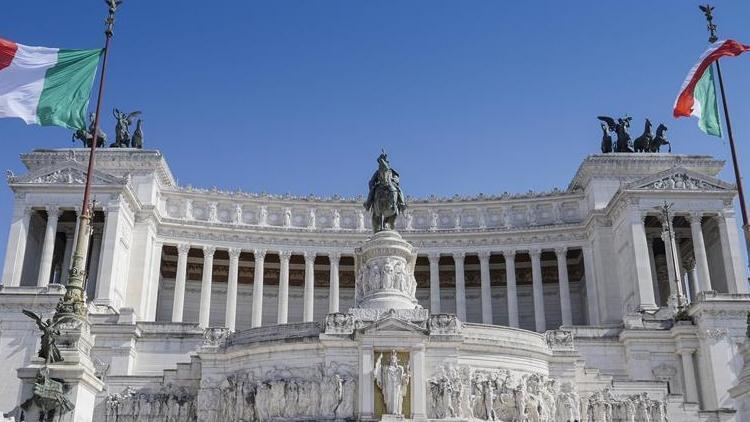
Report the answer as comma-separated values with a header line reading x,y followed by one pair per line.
x,y
208,270
511,289
734,263
48,246
178,303
283,308
484,270
76,214
458,262
688,370
434,259
230,318
96,251
16,249
699,251
592,297
309,295
646,300
68,255
333,294
673,269
652,263
540,321
257,315
693,277
70,240
562,271
154,278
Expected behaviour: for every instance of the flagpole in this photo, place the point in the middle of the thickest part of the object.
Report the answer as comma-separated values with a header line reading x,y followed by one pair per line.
x,y
73,304
712,38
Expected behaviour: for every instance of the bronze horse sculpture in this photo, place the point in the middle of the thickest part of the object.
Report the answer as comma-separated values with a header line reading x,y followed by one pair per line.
x,y
606,140
620,127
660,139
87,135
643,142
385,199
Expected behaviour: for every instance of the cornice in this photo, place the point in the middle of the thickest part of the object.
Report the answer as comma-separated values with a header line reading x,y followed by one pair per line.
x,y
633,166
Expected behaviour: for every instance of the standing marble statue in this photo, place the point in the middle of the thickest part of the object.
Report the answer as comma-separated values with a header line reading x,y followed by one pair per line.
x,y
392,381
385,199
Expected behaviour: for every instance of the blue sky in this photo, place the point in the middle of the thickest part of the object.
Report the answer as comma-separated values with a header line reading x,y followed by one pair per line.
x,y
466,96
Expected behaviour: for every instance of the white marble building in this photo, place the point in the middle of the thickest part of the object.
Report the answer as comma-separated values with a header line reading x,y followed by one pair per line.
x,y
561,298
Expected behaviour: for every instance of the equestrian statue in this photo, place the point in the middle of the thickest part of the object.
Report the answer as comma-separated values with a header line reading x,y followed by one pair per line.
x,y
87,135
385,199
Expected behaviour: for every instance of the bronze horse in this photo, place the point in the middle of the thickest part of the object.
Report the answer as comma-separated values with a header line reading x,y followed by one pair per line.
x,y
643,142
385,199
660,139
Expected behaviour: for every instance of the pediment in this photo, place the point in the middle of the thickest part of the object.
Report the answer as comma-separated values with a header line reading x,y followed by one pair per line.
x,y
680,179
393,324
67,173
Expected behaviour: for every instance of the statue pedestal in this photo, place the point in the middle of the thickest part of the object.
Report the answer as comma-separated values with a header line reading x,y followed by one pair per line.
x,y
59,386
384,267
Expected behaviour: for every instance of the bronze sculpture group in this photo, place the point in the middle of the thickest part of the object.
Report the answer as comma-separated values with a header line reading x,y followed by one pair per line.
x,y
123,138
647,142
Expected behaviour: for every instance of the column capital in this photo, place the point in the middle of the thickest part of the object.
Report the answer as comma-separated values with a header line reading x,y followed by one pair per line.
x,y
234,253
484,255
433,256
685,351
561,251
309,255
259,254
53,211
208,251
334,256
509,254
285,255
459,256
183,248
535,253
695,217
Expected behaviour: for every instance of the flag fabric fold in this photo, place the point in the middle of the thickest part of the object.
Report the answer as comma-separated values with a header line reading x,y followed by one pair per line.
x,y
697,95
46,86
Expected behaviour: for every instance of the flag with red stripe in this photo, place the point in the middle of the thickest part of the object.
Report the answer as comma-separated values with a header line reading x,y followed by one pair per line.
x,y
698,93
46,86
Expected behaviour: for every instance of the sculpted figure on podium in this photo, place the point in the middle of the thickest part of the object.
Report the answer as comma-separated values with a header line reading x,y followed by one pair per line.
x,y
385,199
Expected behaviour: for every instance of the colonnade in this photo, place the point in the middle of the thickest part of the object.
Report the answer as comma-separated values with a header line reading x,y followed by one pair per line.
x,y
282,308
695,266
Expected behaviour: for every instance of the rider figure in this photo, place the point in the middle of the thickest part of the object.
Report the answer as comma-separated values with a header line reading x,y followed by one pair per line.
x,y
385,179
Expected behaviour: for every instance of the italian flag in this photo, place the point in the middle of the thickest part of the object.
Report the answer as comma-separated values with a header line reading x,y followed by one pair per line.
x,y
46,86
698,94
